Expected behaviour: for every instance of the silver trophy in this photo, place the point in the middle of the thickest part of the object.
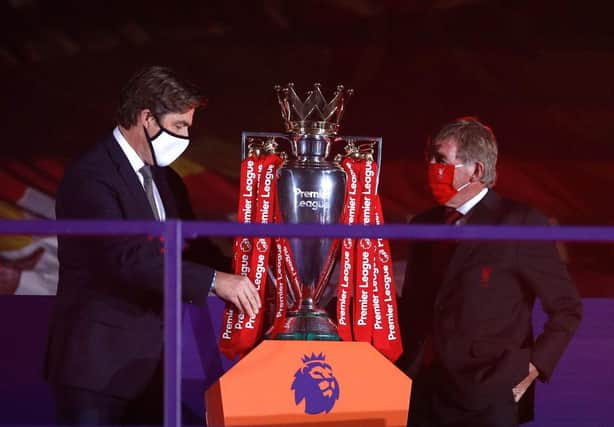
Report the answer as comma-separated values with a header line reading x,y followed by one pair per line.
x,y
310,190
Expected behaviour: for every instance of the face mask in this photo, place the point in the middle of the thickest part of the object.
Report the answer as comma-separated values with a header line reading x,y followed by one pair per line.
x,y
441,179
166,146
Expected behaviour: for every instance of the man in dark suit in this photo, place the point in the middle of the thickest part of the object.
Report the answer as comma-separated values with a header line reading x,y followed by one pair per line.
x,y
104,357
466,308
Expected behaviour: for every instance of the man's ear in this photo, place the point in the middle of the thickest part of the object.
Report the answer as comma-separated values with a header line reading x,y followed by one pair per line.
x,y
478,173
145,117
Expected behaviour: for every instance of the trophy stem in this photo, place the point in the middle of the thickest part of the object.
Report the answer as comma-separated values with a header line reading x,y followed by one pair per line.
x,y
307,304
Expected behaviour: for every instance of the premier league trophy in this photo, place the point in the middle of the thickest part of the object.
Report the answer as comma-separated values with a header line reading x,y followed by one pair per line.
x,y
311,187
310,175
311,190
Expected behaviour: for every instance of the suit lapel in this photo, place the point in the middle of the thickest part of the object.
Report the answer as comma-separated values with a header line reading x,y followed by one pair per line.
x,y
484,213
128,176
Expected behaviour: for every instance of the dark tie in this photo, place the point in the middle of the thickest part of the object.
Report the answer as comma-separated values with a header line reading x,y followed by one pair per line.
x,y
444,249
148,185
442,253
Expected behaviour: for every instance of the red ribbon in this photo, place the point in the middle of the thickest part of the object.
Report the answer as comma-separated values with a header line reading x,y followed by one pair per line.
x,y
231,326
363,291
347,273
386,335
281,298
251,256
389,343
260,257
366,267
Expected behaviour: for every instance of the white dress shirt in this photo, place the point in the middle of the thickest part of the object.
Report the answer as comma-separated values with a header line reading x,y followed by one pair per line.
x,y
469,204
137,163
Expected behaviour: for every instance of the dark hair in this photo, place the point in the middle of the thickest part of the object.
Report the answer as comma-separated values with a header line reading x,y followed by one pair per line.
x,y
158,89
475,142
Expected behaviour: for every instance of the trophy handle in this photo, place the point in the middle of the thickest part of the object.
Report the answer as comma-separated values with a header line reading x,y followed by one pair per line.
x,y
360,141
247,137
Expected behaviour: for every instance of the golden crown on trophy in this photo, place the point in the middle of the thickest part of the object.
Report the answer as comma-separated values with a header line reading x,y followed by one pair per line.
x,y
315,115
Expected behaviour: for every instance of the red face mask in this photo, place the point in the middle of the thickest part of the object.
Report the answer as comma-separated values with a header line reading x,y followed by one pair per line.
x,y
441,181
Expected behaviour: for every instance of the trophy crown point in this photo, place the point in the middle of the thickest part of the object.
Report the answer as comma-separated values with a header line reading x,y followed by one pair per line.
x,y
314,115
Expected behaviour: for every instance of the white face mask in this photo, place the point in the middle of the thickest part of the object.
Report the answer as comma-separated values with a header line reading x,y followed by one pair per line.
x,y
166,146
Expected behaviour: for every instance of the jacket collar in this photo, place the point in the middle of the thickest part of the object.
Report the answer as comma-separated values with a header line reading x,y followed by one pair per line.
x,y
486,211
128,176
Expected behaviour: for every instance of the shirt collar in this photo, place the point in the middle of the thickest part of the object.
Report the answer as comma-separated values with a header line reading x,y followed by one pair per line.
x,y
469,204
135,161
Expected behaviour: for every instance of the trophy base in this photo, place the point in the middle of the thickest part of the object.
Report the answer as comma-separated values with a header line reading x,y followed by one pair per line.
x,y
308,326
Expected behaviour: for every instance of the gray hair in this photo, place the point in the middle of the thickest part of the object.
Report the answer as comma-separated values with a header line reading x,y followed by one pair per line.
x,y
475,142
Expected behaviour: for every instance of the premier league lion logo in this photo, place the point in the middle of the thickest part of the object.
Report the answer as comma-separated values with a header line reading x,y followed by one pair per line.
x,y
315,383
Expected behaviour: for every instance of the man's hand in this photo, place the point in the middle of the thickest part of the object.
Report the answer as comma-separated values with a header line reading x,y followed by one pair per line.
x,y
238,290
522,387
10,270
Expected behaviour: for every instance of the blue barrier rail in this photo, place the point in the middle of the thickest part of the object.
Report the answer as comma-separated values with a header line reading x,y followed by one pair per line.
x,y
174,232
388,231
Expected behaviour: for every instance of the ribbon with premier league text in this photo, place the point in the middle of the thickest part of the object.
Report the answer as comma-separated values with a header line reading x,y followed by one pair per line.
x,y
366,266
257,200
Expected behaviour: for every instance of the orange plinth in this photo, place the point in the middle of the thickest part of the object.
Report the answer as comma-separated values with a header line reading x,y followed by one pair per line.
x,y
304,383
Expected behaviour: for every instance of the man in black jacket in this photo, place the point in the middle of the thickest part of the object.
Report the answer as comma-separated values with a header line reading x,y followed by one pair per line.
x,y
104,357
466,306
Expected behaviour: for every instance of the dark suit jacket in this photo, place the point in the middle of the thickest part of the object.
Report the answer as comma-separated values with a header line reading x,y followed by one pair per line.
x,y
106,330
478,308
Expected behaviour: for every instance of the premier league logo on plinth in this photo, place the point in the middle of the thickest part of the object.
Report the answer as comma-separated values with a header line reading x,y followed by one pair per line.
x,y
316,384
